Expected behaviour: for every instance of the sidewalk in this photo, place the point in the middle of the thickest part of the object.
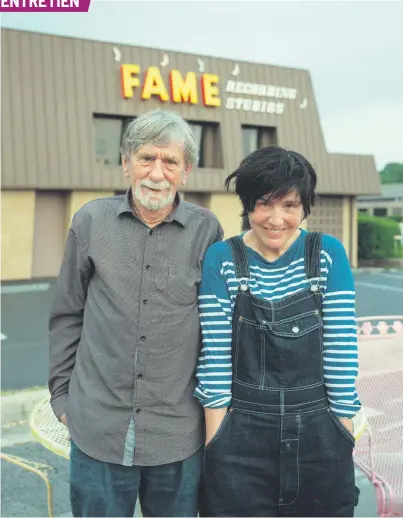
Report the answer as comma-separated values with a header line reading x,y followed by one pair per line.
x,y
376,269
380,382
17,406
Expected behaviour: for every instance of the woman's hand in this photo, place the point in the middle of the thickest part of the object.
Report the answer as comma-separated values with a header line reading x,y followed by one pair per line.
x,y
348,424
214,417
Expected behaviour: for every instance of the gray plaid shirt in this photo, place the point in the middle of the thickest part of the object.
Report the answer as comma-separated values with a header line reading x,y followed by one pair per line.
x,y
125,332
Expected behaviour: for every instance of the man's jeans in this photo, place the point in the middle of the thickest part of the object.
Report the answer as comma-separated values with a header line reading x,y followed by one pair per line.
x,y
103,489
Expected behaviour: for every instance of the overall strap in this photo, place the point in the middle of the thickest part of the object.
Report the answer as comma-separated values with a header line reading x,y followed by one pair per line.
x,y
239,257
313,244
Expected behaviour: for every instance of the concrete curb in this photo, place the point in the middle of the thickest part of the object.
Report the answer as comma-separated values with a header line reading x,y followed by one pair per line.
x,y
17,406
373,269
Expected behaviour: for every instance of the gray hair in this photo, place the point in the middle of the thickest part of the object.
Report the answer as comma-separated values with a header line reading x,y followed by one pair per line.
x,y
160,128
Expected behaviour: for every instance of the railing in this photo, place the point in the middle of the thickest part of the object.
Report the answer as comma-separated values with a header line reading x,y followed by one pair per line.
x,y
379,452
386,326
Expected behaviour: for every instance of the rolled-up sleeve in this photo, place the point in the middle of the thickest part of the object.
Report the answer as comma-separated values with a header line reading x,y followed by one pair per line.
x,y
214,370
340,349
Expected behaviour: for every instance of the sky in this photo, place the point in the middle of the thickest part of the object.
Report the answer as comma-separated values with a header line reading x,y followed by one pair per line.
x,y
353,50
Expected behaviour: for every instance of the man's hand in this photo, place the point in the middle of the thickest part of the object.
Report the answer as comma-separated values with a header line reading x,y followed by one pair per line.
x,y
63,419
348,424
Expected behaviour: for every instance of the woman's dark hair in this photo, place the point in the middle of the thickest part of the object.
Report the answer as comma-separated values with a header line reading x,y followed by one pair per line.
x,y
273,171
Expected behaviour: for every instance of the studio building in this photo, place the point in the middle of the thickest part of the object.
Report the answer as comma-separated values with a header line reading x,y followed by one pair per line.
x,y
66,103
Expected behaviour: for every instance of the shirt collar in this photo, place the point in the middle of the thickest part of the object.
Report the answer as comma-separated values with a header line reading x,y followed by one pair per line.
x,y
125,205
179,214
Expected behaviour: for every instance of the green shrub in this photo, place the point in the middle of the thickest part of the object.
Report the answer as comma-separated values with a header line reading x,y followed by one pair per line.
x,y
375,237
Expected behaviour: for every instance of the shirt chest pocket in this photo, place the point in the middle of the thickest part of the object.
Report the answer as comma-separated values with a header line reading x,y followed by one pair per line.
x,y
180,285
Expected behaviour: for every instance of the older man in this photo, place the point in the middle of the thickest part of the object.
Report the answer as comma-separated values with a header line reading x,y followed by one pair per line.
x,y
125,333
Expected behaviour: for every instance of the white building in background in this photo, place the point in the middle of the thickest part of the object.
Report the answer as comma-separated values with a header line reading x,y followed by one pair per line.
x,y
388,203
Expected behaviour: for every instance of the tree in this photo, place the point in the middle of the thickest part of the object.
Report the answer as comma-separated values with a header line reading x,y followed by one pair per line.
x,y
392,173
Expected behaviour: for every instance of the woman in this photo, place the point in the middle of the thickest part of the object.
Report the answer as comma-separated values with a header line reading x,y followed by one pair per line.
x,y
277,370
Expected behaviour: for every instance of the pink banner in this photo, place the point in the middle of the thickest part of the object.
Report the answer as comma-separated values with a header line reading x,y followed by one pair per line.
x,y
44,6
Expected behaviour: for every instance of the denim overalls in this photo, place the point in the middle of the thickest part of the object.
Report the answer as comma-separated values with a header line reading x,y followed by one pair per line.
x,y
279,450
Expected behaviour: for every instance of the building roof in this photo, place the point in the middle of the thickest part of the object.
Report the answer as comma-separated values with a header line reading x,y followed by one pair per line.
x,y
389,192
56,84
392,190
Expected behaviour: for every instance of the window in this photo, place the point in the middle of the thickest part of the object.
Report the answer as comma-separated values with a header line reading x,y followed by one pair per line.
x,y
198,134
197,131
126,122
254,138
249,140
109,131
208,138
363,210
380,212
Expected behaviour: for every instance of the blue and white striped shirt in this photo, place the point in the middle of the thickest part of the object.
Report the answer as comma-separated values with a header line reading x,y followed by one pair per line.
x,y
274,281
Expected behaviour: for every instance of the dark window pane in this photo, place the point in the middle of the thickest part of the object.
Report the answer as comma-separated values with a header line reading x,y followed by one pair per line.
x,y
108,133
380,212
198,133
126,122
249,140
208,139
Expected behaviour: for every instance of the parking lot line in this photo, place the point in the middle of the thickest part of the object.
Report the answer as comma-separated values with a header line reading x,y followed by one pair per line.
x,y
391,275
379,286
24,288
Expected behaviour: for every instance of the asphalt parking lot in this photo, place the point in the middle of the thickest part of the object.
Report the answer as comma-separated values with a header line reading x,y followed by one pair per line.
x,y
379,293
25,310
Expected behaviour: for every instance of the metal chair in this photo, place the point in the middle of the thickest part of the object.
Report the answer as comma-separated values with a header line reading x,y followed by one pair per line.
x,y
48,431
378,428
380,452
52,434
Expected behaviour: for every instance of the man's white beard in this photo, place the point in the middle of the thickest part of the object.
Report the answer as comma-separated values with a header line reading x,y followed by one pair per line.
x,y
148,201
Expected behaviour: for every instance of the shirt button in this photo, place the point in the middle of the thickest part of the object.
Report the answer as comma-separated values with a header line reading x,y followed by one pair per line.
x,y
148,266
138,411
142,338
151,232
145,301
140,376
